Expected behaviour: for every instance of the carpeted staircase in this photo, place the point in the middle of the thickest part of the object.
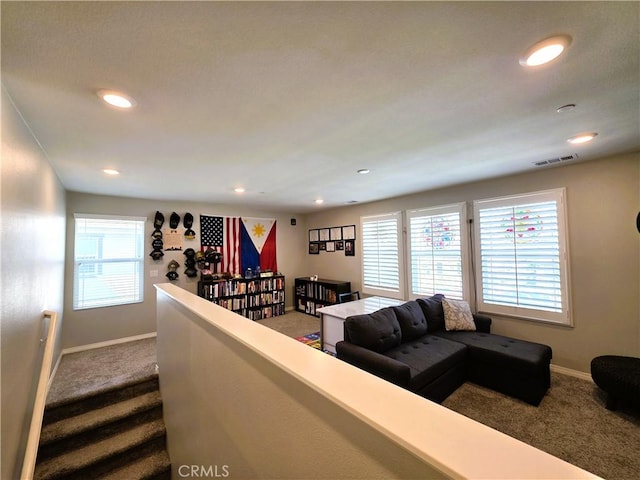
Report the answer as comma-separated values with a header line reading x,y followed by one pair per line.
x,y
116,432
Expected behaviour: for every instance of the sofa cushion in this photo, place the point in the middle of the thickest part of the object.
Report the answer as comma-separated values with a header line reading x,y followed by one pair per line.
x,y
505,352
432,309
411,319
457,315
428,358
378,331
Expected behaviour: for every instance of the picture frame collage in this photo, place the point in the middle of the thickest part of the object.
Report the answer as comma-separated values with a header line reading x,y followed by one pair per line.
x,y
333,239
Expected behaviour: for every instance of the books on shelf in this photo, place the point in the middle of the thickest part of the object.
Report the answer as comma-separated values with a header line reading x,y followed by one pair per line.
x,y
253,298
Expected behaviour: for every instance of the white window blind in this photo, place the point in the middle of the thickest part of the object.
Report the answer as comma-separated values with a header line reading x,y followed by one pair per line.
x,y
381,255
108,257
522,256
437,251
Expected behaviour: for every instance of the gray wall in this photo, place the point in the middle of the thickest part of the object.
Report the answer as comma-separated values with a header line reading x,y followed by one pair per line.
x,y
32,239
603,200
85,327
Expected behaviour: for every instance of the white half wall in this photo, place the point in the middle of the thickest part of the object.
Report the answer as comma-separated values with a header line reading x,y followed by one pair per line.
x,y
242,399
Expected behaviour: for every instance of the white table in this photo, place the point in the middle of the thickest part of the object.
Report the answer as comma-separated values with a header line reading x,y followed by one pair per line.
x,y
332,317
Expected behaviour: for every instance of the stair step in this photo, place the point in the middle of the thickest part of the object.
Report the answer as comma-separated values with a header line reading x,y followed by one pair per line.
x,y
100,451
94,419
153,466
98,399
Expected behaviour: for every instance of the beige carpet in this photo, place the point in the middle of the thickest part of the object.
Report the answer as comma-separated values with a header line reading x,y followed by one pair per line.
x,y
293,324
85,373
571,423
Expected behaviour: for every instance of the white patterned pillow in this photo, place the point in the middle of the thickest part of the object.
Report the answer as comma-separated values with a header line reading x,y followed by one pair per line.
x,y
457,315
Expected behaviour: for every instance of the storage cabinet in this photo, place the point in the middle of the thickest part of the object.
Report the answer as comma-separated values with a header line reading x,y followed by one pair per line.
x,y
254,298
313,294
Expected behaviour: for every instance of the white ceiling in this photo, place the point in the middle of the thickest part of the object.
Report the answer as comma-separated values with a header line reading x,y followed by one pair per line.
x,y
289,99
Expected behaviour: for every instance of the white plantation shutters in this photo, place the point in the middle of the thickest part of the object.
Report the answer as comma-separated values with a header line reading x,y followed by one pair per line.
x,y
382,256
109,261
437,251
521,256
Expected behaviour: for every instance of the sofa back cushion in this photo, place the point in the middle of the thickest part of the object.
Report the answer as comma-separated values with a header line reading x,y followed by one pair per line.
x,y
378,331
412,322
433,312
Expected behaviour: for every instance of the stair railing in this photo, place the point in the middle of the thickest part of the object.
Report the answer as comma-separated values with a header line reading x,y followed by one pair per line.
x,y
31,451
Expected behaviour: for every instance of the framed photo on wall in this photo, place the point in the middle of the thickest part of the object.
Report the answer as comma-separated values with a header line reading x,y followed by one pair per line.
x,y
349,232
335,233
340,245
314,248
331,246
314,235
324,235
349,248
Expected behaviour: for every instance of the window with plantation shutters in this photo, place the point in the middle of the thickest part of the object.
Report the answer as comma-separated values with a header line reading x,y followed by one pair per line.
x,y
109,261
437,251
521,256
381,255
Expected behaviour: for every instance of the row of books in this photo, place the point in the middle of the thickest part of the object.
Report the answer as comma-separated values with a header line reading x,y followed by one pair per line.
x,y
264,284
266,312
317,291
307,306
223,289
266,298
237,303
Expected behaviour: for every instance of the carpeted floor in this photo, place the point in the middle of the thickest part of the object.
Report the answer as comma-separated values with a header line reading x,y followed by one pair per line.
x,y
83,373
571,423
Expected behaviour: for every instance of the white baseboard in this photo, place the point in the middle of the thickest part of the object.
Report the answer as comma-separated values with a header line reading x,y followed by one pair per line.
x,y
571,372
91,346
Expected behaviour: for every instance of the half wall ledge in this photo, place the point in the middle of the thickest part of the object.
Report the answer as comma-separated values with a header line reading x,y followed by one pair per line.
x,y
253,403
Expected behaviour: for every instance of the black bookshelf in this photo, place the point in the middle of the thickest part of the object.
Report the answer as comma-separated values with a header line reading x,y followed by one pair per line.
x,y
254,298
313,294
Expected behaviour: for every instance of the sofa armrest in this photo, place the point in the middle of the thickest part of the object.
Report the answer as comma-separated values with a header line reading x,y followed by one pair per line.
x,y
379,365
483,323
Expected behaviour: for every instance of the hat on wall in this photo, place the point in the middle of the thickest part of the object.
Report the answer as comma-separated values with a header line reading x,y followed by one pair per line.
x,y
174,220
188,223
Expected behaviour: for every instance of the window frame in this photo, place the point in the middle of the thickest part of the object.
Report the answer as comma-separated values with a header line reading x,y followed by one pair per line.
x,y
564,316
81,264
370,289
459,208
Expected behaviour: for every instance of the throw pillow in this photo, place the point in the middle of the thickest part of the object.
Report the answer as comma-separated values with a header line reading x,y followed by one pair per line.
x,y
457,315
378,331
411,319
432,309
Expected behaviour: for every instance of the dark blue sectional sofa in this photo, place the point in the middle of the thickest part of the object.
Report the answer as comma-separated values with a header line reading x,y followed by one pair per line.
x,y
409,345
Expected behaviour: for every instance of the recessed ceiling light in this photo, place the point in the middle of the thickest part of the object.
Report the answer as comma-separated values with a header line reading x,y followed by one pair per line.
x,y
239,190
582,138
116,99
319,201
545,51
363,171
110,171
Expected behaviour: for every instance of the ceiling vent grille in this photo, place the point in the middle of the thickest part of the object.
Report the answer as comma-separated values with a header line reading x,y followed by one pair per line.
x,y
555,161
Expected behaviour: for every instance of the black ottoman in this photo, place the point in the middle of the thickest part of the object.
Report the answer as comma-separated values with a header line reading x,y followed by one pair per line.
x,y
619,377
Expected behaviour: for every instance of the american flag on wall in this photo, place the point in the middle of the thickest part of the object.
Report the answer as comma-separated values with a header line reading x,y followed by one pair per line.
x,y
223,235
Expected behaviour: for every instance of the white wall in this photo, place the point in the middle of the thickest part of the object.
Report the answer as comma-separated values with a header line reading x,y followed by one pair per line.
x,y
84,327
32,241
603,200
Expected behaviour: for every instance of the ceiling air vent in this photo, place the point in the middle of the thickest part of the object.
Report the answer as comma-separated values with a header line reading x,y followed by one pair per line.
x,y
554,161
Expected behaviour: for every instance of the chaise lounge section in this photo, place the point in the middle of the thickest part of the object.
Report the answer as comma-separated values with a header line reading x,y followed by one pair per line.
x,y
418,347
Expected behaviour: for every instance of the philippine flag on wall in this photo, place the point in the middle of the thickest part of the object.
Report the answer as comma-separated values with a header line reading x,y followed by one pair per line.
x,y
258,244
